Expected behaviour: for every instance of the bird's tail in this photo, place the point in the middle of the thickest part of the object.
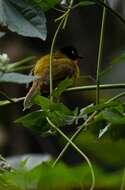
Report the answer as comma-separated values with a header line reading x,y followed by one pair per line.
x,y
33,90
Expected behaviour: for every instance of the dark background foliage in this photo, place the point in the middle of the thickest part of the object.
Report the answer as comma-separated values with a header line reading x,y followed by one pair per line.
x,y
83,32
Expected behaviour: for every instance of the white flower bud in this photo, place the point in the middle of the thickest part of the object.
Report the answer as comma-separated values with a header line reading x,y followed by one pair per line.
x,y
4,58
63,3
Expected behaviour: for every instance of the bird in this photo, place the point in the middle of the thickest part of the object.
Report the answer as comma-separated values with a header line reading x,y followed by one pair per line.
x,y
65,63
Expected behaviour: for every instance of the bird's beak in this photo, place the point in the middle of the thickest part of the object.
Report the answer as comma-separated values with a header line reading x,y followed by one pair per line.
x,y
78,59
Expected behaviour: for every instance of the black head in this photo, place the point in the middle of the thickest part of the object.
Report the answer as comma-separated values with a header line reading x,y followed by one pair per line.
x,y
70,52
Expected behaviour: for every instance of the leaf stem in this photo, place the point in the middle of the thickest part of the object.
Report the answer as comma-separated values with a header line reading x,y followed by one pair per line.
x,y
116,97
77,149
61,24
93,87
73,138
21,62
10,101
100,52
21,68
6,96
61,17
79,88
67,13
103,4
51,57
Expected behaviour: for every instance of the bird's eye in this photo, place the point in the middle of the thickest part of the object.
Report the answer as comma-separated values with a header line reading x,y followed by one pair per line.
x,y
70,52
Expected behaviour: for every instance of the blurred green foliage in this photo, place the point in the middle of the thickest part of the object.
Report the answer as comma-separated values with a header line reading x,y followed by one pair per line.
x,y
61,177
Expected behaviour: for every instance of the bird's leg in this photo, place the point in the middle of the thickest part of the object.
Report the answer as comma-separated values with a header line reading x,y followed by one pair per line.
x,y
33,90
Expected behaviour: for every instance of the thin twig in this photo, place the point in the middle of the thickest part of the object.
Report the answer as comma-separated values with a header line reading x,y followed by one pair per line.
x,y
80,88
93,87
51,57
102,4
77,149
100,52
116,97
13,100
6,96
59,10
73,138
61,24
67,13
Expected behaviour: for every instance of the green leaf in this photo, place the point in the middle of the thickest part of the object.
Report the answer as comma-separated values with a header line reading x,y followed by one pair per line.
x,y
113,116
23,19
91,108
47,105
109,153
16,78
103,131
116,60
62,86
88,109
35,120
42,101
2,34
57,112
60,115
44,4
